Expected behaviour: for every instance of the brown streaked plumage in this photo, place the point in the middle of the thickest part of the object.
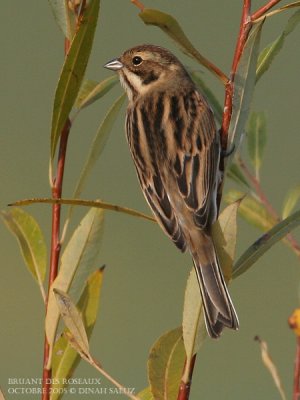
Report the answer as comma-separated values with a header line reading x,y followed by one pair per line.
x,y
176,150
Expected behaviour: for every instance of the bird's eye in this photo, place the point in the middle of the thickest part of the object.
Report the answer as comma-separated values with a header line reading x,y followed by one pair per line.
x,y
137,60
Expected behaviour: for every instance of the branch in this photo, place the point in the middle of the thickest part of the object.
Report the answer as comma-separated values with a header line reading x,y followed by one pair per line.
x,y
85,203
55,243
245,26
185,387
56,209
263,10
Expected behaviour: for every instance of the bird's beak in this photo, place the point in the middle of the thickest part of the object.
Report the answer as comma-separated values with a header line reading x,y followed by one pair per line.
x,y
114,65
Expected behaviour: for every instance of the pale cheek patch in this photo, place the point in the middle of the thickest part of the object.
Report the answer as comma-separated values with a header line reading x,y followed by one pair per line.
x,y
126,87
135,81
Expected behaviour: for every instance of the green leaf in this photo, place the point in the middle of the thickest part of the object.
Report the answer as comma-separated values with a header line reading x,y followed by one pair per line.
x,y
283,8
86,88
193,325
244,83
224,232
65,358
264,243
293,21
268,54
145,394
63,16
90,91
252,210
31,242
99,142
96,149
73,71
72,319
257,139
291,201
213,101
235,173
86,203
77,262
171,27
165,365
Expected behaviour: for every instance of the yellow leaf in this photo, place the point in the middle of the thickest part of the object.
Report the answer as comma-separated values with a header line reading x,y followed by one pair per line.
x,y
193,325
72,320
224,232
294,322
165,365
65,357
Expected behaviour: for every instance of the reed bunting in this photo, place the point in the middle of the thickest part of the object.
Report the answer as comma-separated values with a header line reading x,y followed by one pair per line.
x,y
176,150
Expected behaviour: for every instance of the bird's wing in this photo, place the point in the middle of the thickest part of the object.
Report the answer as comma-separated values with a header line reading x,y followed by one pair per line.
x,y
158,200
151,180
196,161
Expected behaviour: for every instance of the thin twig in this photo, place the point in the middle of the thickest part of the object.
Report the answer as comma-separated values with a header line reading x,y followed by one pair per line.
x,y
139,4
277,11
257,188
265,201
85,203
122,389
212,68
263,10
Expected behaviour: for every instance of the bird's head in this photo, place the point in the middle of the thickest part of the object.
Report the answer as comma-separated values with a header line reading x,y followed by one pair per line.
x,y
145,68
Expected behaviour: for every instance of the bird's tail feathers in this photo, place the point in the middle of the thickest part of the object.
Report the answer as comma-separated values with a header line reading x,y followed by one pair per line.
x,y
218,307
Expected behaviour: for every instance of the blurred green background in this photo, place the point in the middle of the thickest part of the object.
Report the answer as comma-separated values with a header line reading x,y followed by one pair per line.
x,y
145,276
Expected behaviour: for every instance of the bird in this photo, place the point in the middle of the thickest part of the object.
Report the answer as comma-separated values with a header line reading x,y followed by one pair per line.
x,y
175,146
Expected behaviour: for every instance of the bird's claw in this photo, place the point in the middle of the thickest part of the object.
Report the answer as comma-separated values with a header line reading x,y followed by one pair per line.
x,y
227,153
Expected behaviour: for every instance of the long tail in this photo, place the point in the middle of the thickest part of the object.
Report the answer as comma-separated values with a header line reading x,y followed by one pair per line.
x,y
218,307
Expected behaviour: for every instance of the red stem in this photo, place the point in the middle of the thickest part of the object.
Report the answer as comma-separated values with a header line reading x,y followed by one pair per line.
x,y
55,243
56,209
263,10
296,391
243,34
245,26
185,387
139,4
